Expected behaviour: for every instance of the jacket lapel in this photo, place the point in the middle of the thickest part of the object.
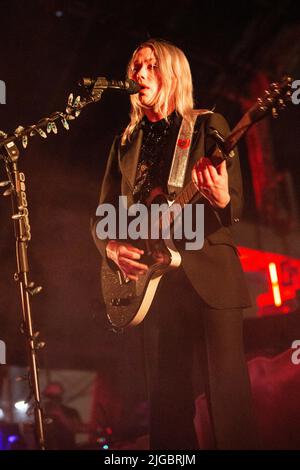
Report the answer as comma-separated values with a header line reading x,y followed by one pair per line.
x,y
128,159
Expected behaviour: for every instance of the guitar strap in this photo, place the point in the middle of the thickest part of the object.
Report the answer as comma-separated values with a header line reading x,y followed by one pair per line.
x,y
182,150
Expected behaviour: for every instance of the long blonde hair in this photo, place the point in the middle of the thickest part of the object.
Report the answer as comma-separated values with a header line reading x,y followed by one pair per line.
x,y
176,83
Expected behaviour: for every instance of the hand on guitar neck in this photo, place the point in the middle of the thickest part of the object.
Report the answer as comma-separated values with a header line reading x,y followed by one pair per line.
x,y
212,182
125,256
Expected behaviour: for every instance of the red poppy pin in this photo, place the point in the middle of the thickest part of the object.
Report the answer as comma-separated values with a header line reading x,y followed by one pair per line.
x,y
183,143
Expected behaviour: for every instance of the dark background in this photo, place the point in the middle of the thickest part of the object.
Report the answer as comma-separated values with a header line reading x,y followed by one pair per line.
x,y
45,47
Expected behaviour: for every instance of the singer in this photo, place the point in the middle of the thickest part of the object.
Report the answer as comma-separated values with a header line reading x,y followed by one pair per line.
x,y
198,309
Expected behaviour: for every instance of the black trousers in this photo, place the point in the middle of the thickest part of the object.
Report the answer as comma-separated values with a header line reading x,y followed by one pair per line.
x,y
179,328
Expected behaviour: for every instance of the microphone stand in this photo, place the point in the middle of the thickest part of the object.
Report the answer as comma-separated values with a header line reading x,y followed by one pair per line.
x,y
16,188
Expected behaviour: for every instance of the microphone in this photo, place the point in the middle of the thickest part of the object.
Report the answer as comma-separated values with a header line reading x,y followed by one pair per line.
x,y
128,85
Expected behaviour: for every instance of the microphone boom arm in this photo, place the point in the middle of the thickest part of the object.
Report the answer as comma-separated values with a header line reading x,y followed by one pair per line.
x,y
73,110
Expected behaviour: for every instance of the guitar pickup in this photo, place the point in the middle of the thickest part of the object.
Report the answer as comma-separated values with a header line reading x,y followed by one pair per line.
x,y
120,302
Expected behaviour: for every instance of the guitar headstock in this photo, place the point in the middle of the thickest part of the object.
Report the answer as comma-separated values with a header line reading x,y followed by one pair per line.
x,y
273,100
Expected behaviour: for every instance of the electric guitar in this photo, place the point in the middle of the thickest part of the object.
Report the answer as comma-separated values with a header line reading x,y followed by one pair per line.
x,y
128,302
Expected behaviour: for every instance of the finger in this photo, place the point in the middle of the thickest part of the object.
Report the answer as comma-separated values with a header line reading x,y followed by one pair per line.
x,y
194,177
132,277
200,165
131,273
207,179
213,173
206,163
133,249
222,169
125,252
200,178
133,264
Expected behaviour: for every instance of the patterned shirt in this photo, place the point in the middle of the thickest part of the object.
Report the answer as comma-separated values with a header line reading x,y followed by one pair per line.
x,y
157,150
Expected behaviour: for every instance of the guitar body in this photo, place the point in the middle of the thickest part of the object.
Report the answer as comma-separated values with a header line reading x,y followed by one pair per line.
x,y
128,302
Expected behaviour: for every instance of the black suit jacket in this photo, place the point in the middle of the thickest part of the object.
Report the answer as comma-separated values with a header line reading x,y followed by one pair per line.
x,y
215,271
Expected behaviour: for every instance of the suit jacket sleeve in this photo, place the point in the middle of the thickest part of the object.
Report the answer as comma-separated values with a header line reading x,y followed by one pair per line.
x,y
232,212
110,191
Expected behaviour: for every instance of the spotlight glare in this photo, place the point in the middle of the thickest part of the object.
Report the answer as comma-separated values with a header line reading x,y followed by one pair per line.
x,y
21,406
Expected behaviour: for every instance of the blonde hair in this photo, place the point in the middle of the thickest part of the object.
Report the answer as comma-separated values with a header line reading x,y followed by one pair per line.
x,y
176,84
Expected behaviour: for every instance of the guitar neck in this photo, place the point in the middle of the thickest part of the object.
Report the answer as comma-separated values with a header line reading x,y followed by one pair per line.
x,y
276,97
186,195
249,118
190,190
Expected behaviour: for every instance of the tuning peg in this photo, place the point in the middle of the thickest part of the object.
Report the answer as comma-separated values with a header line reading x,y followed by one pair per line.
x,y
24,141
40,345
65,123
4,183
18,131
274,113
54,127
17,216
70,99
42,133
7,192
76,104
69,107
49,127
281,103
34,290
3,134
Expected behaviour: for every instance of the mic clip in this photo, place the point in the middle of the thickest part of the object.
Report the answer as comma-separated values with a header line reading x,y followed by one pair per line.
x,y
97,89
94,88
